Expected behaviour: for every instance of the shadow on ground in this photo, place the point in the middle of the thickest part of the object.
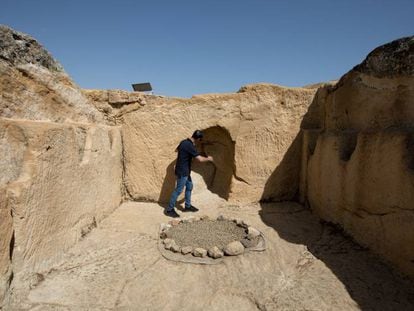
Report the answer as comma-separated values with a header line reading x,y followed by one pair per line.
x,y
371,283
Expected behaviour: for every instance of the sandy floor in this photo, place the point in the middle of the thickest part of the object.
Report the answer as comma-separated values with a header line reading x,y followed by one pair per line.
x,y
307,266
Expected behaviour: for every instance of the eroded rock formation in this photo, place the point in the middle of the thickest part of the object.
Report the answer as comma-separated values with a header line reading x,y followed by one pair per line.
x,y
60,173
249,134
69,156
357,165
34,86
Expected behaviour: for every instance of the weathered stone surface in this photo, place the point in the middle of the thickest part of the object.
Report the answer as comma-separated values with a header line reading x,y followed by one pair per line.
x,y
186,250
6,243
34,86
199,252
165,226
247,243
393,59
249,134
252,232
114,103
120,275
59,180
189,219
174,222
357,161
174,247
18,48
234,248
215,252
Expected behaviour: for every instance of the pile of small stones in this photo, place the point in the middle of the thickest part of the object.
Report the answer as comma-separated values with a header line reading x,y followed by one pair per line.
x,y
202,236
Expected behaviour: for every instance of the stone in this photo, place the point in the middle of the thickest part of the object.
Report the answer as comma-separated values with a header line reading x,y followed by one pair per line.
x,y
186,250
252,233
221,217
171,245
71,172
215,252
234,248
248,243
188,219
168,245
174,222
60,158
18,48
242,224
36,279
165,227
174,247
357,168
34,86
238,222
199,252
204,217
231,137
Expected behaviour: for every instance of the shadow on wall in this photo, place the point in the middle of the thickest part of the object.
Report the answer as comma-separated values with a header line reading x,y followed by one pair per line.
x,y
372,284
217,143
168,184
283,183
217,176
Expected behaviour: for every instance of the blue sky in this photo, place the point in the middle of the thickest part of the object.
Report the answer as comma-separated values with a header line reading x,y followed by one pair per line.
x,y
187,47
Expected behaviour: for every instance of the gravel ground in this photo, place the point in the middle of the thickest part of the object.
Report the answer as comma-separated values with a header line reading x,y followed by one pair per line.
x,y
206,233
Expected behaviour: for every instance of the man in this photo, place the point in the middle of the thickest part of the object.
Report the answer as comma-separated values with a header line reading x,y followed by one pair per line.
x,y
186,152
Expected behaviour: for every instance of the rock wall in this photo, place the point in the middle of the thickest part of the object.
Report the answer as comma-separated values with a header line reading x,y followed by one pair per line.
x,y
252,135
59,181
61,172
358,160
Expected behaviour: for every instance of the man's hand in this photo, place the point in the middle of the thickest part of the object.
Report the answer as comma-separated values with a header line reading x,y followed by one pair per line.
x,y
204,159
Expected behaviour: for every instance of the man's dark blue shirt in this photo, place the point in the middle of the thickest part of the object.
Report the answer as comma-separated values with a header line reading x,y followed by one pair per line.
x,y
186,153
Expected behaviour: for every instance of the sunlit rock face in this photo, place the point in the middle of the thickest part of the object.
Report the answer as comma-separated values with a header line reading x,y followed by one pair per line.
x,y
253,135
34,86
358,160
61,171
70,156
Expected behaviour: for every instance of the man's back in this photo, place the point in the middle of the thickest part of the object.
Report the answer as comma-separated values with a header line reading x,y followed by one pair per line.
x,y
186,152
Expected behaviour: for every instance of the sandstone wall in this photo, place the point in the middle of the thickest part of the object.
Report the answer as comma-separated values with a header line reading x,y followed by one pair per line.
x,y
252,134
61,173
358,160
59,181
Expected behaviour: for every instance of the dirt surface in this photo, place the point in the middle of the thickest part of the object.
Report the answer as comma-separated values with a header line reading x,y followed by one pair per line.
x,y
206,233
307,266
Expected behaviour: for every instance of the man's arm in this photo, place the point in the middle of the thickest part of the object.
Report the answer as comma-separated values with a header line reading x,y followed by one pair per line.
x,y
200,158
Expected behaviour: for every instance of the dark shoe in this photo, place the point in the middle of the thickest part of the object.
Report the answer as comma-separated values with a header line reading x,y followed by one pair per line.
x,y
171,213
190,209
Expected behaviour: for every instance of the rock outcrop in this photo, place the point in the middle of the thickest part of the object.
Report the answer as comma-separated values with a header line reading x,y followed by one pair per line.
x,y
249,134
60,172
69,156
358,160
34,86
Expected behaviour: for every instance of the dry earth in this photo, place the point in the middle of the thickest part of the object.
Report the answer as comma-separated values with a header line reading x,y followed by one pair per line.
x,y
307,266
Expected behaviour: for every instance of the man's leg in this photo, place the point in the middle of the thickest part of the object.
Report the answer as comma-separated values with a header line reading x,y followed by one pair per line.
x,y
188,189
180,183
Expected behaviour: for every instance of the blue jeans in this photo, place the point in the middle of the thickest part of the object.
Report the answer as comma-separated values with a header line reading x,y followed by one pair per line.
x,y
181,182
